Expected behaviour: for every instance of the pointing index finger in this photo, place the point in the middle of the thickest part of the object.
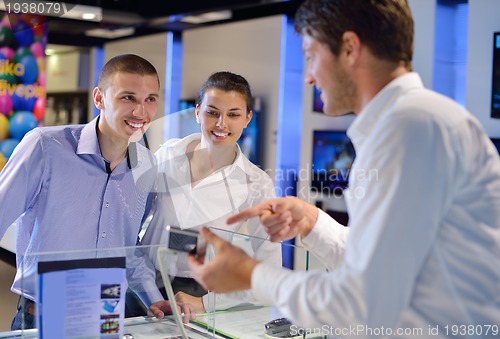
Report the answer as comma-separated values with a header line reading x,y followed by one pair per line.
x,y
245,214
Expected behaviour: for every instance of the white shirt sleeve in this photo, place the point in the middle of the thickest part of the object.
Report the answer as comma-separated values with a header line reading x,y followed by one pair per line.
x,y
326,240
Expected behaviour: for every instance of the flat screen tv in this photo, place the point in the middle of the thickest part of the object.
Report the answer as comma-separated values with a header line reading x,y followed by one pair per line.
x,y
495,87
251,139
332,158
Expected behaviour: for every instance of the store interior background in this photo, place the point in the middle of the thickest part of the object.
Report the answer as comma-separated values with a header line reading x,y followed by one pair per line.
x,y
453,55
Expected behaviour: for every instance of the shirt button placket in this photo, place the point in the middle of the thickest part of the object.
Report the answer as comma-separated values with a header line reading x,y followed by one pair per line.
x,y
103,234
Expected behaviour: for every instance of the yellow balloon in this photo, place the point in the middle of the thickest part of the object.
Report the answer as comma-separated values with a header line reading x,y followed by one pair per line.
x,y
4,127
3,161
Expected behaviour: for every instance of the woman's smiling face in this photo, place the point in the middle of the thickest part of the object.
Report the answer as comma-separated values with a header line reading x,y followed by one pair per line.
x,y
222,116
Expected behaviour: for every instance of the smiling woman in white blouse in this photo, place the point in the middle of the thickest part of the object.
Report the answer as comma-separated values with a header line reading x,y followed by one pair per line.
x,y
205,178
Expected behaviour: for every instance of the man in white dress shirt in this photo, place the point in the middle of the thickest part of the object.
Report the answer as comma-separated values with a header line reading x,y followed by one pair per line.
x,y
421,255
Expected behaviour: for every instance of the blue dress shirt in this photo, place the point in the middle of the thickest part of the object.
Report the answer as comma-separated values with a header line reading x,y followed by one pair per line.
x,y
57,188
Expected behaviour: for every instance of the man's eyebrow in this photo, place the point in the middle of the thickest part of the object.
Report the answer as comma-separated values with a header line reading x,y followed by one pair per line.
x,y
134,93
126,92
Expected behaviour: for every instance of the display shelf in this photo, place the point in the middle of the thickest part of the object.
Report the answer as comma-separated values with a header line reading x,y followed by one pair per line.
x,y
64,108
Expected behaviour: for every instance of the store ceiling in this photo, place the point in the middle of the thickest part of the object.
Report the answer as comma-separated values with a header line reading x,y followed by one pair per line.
x,y
152,16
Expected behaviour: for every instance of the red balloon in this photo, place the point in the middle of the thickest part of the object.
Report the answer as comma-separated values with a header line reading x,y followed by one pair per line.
x,y
39,109
39,29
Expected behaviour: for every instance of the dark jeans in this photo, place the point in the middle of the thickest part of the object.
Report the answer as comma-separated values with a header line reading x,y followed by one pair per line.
x,y
134,307
23,316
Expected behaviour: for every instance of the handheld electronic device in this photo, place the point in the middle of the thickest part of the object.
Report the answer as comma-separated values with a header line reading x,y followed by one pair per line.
x,y
279,328
188,241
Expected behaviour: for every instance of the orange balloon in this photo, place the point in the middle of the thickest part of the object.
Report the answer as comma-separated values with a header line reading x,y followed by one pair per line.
x,y
41,64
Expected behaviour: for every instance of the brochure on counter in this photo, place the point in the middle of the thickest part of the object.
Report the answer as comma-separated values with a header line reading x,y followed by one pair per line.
x,y
81,298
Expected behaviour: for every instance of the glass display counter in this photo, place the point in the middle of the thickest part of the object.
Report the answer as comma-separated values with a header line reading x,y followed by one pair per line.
x,y
81,294
236,323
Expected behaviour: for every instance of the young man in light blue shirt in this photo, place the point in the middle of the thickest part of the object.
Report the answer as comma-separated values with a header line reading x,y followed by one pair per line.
x,y
72,187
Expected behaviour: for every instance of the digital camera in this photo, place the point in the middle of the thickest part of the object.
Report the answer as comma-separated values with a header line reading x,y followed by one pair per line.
x,y
188,241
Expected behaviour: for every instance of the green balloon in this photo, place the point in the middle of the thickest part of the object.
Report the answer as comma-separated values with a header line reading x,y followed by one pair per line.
x,y
21,53
7,38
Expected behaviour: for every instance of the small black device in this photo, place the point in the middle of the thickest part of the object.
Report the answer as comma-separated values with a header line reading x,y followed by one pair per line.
x,y
188,241
278,328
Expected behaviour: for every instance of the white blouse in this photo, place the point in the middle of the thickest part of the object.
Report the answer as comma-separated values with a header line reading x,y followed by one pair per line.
x,y
210,202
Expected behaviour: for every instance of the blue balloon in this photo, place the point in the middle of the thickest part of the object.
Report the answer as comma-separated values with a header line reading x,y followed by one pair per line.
x,y
21,103
7,147
30,69
23,33
21,123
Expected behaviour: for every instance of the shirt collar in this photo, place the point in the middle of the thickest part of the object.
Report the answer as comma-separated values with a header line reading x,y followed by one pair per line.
x,y
89,143
238,162
377,108
180,150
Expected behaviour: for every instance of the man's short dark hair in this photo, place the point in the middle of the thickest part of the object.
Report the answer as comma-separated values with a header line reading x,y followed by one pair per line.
x,y
126,63
385,26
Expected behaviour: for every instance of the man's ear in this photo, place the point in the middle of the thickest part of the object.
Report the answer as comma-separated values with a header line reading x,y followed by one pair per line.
x,y
351,45
98,97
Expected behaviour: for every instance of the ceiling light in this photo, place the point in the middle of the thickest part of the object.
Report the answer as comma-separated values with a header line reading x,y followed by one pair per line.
x,y
208,17
110,33
89,16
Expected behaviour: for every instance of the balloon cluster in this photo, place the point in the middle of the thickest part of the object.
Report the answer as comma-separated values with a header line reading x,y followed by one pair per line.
x,y
22,79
